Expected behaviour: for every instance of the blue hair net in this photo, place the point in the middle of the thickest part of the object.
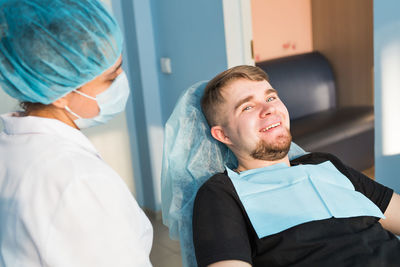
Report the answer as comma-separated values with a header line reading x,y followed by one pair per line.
x,y
48,48
191,156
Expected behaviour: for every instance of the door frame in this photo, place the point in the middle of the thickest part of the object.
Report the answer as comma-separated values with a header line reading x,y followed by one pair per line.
x,y
238,32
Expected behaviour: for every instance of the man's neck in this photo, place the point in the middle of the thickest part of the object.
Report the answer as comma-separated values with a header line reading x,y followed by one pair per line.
x,y
250,163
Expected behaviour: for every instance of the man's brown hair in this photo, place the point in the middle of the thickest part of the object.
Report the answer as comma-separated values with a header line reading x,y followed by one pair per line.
x,y
212,98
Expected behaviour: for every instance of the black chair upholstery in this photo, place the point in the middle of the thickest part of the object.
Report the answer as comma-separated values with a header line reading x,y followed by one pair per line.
x,y
306,85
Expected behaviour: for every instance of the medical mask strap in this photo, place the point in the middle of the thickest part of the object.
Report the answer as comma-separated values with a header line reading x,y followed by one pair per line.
x,y
85,95
73,113
82,94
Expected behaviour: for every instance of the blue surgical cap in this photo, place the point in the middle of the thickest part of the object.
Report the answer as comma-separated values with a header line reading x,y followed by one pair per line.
x,y
191,156
49,48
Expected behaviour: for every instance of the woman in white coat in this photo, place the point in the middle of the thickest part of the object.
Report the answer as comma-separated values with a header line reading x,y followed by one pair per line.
x,y
60,203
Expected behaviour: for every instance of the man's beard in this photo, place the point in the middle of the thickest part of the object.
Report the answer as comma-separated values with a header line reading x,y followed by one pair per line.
x,y
271,152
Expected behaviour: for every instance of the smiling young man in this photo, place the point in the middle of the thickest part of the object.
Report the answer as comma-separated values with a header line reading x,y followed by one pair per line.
x,y
269,211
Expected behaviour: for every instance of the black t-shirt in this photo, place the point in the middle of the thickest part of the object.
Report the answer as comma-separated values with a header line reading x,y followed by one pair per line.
x,y
223,231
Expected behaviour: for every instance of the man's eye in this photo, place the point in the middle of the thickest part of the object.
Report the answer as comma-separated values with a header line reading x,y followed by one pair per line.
x,y
271,98
247,108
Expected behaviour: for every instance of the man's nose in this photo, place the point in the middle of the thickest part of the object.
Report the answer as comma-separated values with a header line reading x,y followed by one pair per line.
x,y
266,109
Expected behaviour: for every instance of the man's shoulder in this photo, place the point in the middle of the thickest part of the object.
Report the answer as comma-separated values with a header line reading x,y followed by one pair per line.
x,y
219,182
218,179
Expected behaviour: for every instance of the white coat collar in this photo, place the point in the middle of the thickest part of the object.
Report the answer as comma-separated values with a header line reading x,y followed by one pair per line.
x,y
15,124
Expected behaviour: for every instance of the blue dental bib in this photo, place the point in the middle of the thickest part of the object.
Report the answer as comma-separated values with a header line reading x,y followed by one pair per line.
x,y
279,197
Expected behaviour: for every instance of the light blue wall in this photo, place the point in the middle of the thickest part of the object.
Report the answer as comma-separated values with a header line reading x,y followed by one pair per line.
x,y
191,33
387,92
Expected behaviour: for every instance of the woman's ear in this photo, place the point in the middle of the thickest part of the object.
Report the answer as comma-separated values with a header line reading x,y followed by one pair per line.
x,y
219,134
61,102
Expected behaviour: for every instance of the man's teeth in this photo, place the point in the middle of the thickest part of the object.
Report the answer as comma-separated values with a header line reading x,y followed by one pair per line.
x,y
271,126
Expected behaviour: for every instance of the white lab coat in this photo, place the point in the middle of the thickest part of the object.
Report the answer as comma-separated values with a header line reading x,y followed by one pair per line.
x,y
61,205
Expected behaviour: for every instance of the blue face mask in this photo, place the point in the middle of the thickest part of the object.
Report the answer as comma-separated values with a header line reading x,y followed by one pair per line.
x,y
111,102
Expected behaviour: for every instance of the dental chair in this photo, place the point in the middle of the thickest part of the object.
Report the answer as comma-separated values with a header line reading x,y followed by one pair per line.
x,y
191,156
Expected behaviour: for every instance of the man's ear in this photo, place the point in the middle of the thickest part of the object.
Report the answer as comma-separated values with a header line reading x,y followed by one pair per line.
x,y
219,134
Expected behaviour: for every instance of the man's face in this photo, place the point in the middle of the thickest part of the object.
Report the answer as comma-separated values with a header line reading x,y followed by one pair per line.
x,y
256,120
